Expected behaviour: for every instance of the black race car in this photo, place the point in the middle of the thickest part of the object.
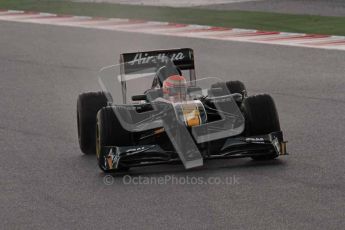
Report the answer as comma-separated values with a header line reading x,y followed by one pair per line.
x,y
153,110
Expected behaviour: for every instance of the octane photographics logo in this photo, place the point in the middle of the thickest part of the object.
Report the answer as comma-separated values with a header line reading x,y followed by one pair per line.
x,y
173,180
108,180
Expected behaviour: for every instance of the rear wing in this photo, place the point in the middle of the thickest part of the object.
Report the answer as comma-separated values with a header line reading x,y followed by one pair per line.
x,y
146,60
149,62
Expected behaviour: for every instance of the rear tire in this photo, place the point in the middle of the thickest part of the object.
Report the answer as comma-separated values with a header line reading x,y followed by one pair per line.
x,y
231,87
261,118
110,133
88,105
236,86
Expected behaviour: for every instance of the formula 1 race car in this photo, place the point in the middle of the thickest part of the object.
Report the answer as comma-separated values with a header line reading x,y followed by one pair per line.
x,y
153,110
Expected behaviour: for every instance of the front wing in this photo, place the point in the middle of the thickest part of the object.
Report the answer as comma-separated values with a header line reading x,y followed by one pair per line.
x,y
234,147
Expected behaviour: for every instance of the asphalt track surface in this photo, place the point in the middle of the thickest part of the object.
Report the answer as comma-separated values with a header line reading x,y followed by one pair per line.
x,y
47,183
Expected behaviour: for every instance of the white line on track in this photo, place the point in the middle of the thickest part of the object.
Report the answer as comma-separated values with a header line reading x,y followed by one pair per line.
x,y
180,30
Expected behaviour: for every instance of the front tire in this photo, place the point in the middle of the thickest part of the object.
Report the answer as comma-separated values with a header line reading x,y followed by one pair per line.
x,y
261,118
88,105
109,132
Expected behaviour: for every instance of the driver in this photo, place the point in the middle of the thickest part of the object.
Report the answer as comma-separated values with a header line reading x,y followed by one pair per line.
x,y
175,88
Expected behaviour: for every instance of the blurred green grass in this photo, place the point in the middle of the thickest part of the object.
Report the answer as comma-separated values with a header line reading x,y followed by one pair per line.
x,y
233,19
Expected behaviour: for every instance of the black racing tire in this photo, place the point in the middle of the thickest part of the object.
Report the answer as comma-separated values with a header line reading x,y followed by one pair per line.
x,y
88,105
236,86
109,132
232,86
261,118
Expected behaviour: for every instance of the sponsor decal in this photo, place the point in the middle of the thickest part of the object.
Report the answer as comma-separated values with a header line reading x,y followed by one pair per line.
x,y
191,114
158,131
256,140
135,149
276,145
148,61
145,58
112,159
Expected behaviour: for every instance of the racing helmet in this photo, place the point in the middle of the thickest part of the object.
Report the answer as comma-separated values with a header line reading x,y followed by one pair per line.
x,y
175,88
